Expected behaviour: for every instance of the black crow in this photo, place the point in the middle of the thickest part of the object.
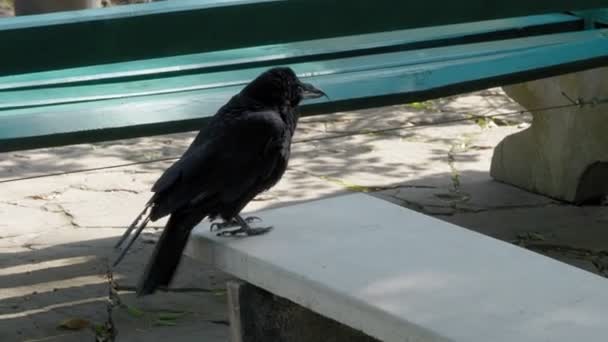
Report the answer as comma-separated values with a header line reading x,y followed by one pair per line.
x,y
243,150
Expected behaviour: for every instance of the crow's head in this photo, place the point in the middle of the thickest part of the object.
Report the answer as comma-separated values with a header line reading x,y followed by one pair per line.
x,y
280,87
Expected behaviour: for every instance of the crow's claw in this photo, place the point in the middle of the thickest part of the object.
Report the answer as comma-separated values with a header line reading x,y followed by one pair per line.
x,y
220,225
216,226
244,227
252,219
246,231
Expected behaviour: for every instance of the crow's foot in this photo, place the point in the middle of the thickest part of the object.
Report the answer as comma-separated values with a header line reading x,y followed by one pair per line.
x,y
245,229
217,226
249,231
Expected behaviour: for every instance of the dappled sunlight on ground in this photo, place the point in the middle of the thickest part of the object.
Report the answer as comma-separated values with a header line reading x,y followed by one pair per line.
x,y
56,233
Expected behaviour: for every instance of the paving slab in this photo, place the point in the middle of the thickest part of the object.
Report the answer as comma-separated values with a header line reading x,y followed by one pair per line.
x,y
103,209
378,120
46,285
373,161
22,220
190,330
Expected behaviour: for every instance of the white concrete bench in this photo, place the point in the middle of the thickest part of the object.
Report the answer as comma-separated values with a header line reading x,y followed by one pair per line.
x,y
398,275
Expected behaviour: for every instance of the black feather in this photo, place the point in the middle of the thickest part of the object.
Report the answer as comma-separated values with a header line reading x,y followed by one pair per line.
x,y
166,256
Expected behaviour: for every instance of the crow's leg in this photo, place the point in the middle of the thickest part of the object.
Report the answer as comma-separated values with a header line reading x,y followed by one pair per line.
x,y
245,228
232,223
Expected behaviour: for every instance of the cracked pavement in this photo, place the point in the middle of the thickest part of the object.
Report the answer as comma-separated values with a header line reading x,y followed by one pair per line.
x,y
57,233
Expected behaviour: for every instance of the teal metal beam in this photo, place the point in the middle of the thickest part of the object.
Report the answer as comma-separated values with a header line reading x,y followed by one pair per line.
x,y
351,83
594,18
168,28
240,74
319,49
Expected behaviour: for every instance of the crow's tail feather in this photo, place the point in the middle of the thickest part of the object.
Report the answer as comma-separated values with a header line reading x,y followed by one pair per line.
x,y
135,236
133,225
168,252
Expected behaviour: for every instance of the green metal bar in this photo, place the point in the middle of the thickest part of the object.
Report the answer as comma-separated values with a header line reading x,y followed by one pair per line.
x,y
65,94
319,49
594,18
463,68
167,28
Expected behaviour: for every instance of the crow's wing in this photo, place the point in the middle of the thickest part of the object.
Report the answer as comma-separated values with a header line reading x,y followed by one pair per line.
x,y
241,155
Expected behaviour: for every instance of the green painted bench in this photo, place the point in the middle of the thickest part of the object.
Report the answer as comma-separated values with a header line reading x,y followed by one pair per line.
x,y
165,67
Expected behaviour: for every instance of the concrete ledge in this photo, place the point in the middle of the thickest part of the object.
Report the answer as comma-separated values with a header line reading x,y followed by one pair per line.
x,y
398,275
259,316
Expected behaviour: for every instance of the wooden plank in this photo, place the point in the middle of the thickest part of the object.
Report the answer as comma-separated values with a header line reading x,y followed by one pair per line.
x,y
294,52
398,275
428,74
102,36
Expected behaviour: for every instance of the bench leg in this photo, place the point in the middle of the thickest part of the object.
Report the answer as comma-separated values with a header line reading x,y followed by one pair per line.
x,y
564,153
259,316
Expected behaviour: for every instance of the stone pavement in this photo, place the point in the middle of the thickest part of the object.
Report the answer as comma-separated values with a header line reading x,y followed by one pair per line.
x,y
56,233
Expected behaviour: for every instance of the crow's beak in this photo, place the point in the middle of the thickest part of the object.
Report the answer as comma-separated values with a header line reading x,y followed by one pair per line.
x,y
308,91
